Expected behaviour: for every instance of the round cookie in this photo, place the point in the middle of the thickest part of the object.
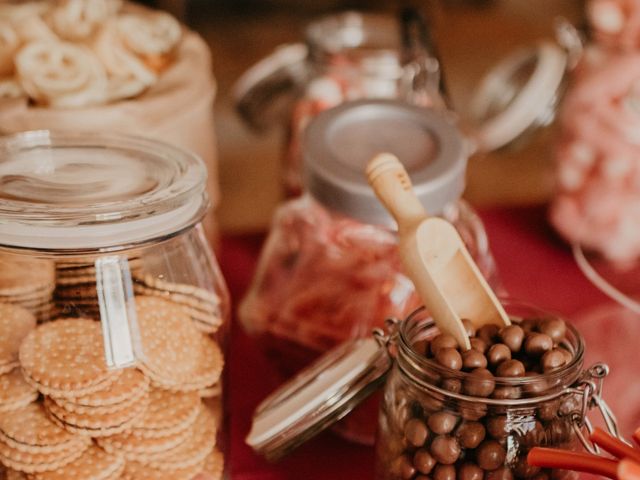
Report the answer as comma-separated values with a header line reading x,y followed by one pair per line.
x,y
207,371
93,464
214,464
195,449
139,471
132,383
151,281
170,341
66,355
168,413
21,275
139,449
30,430
36,462
100,425
15,392
15,324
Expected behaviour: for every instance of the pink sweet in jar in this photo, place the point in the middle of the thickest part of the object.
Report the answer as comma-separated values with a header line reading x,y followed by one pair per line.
x,y
330,270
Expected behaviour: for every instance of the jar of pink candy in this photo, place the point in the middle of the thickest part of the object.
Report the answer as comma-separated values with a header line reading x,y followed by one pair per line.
x,y
347,56
329,270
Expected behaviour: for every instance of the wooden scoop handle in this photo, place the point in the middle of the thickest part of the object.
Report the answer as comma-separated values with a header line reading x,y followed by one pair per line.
x,y
395,193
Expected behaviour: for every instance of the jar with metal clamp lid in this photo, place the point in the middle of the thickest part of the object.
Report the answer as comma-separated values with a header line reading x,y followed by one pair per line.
x,y
441,422
330,270
346,56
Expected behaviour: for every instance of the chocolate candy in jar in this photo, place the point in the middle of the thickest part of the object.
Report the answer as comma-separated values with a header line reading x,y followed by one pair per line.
x,y
330,270
345,57
121,348
426,430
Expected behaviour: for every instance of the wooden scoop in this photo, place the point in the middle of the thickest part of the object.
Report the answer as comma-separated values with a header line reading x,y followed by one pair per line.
x,y
434,256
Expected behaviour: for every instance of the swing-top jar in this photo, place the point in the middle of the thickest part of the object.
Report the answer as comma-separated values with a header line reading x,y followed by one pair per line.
x,y
346,56
112,311
441,420
330,270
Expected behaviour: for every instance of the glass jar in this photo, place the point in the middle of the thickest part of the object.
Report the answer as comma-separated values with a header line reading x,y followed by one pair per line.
x,y
481,434
519,414
114,310
330,269
347,56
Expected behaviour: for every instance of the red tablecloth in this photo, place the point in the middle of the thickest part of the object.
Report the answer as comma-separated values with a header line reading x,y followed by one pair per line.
x,y
534,265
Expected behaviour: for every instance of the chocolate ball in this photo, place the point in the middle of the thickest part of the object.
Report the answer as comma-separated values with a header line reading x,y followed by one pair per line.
x,y
403,467
470,471
416,432
506,393
502,473
472,411
469,327
423,461
488,333
444,472
442,340
445,449
473,359
552,359
510,368
449,358
452,385
512,336
478,344
498,353
554,327
490,455
442,422
479,383
537,343
497,427
470,434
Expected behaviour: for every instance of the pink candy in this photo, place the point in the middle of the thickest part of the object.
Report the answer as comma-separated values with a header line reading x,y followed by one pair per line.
x,y
598,197
616,23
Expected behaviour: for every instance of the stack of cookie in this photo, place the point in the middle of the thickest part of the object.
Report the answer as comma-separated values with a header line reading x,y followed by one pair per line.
x,y
76,294
99,424
203,306
27,282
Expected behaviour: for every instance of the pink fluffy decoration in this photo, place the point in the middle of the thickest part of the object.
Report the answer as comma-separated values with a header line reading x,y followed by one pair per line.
x,y
615,23
598,156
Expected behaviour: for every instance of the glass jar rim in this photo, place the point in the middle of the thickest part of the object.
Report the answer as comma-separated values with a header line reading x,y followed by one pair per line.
x,y
95,192
565,375
377,33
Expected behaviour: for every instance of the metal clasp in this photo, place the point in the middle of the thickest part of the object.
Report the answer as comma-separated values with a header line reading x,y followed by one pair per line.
x,y
386,337
590,388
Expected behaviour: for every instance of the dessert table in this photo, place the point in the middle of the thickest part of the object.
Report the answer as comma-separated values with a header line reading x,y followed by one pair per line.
x,y
534,265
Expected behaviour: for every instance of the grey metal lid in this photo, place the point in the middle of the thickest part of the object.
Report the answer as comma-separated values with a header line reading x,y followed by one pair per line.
x,y
339,142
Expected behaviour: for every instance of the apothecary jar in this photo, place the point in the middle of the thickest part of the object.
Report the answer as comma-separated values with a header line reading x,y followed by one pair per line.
x,y
113,311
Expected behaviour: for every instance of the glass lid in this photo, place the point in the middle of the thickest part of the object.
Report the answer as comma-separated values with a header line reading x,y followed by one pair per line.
x,y
318,397
62,192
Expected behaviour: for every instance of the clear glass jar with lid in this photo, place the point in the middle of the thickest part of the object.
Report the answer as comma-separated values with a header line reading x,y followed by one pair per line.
x,y
114,311
329,270
345,57
437,421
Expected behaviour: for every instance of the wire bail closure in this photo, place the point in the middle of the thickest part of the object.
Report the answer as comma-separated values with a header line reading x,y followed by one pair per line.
x,y
590,388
